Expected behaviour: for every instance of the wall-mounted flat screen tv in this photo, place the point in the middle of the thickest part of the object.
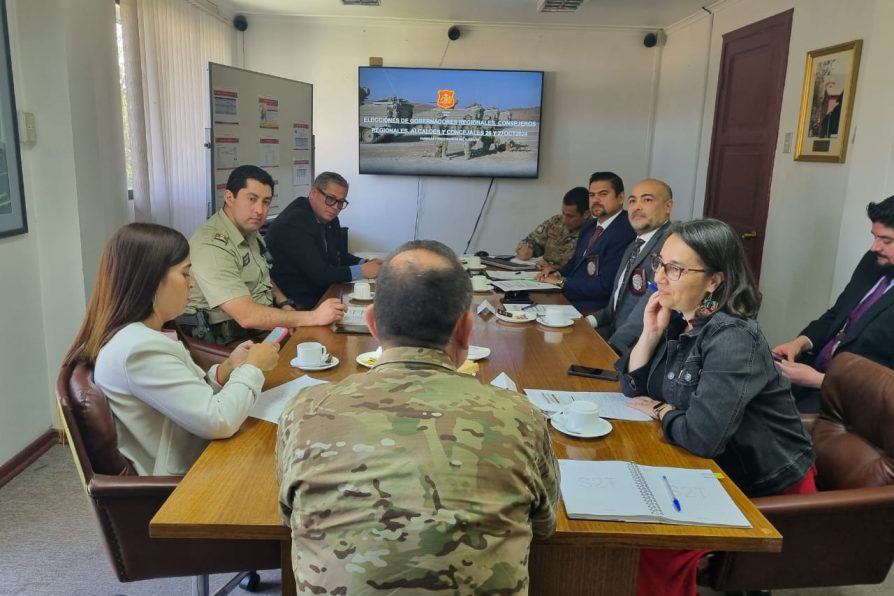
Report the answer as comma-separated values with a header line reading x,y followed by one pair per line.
x,y
450,122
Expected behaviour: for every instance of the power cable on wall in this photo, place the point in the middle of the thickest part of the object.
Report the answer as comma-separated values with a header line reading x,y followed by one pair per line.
x,y
480,212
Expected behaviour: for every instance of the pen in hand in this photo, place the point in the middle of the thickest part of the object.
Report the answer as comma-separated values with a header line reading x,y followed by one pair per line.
x,y
670,492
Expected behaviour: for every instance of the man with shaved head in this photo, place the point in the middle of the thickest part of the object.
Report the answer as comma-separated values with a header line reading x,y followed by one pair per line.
x,y
649,207
413,478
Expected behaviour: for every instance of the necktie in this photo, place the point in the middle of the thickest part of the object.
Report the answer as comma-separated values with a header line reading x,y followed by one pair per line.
x,y
825,356
596,234
637,246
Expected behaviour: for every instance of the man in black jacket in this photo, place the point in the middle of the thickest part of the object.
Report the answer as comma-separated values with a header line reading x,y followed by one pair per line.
x,y
861,320
306,245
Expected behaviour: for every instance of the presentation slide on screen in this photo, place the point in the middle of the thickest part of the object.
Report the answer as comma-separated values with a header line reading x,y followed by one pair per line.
x,y
443,122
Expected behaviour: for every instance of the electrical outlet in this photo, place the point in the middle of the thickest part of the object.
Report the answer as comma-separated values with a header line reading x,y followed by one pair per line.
x,y
787,143
27,128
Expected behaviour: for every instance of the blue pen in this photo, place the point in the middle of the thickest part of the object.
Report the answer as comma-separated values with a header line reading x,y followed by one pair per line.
x,y
670,493
341,296
652,286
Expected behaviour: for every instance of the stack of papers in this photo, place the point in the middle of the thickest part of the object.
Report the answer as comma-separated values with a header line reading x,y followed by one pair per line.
x,y
525,285
270,403
568,311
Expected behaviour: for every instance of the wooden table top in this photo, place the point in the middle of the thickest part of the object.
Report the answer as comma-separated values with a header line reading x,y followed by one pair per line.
x,y
231,492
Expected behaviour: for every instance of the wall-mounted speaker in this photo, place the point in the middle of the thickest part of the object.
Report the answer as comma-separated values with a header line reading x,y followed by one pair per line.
x,y
454,33
240,22
650,40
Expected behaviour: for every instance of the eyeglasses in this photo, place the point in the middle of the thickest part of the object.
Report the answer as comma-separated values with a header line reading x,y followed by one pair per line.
x,y
332,200
673,272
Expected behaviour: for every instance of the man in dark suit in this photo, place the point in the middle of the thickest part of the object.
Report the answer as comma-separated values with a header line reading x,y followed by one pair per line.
x,y
586,280
649,207
861,320
306,245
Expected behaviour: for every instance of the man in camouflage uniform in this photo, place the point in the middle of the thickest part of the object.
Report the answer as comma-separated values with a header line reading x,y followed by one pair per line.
x,y
233,295
555,239
413,478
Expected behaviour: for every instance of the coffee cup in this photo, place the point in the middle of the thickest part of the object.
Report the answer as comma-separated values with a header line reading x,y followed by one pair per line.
x,y
554,315
480,283
362,290
580,416
473,262
312,353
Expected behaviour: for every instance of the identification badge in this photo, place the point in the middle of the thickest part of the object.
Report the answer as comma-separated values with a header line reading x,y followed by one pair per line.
x,y
638,282
593,265
246,259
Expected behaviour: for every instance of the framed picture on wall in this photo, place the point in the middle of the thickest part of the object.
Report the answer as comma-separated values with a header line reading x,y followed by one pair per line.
x,y
827,102
12,198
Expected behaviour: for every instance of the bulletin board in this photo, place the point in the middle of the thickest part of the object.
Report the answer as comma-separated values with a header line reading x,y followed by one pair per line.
x,y
261,120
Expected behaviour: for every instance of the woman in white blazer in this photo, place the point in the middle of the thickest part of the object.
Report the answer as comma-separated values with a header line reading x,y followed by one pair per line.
x,y
165,407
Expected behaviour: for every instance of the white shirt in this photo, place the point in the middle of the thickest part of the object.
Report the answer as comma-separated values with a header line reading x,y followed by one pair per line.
x,y
165,411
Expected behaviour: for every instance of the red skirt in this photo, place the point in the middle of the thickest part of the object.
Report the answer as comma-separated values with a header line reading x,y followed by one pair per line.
x,y
667,572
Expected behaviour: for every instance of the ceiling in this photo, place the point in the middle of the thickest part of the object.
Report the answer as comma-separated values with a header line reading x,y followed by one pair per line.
x,y
639,14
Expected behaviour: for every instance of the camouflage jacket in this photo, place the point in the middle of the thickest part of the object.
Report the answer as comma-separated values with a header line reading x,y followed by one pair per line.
x,y
414,479
552,241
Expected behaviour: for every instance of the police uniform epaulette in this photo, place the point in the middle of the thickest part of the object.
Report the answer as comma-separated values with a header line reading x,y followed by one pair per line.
x,y
222,237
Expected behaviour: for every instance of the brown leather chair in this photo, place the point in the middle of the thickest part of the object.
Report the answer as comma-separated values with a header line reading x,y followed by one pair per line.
x,y
204,353
844,534
124,502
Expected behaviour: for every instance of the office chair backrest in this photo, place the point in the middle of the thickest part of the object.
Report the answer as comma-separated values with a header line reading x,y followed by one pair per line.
x,y
852,437
89,424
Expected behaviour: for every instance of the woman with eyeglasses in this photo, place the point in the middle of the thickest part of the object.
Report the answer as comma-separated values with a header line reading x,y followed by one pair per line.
x,y
702,368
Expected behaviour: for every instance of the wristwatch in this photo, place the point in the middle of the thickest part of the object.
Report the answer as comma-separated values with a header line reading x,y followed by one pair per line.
x,y
286,302
561,283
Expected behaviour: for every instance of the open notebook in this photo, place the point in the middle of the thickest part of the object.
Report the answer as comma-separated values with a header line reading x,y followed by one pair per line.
x,y
625,491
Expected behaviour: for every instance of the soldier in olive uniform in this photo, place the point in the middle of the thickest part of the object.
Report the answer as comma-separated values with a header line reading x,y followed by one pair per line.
x,y
413,478
233,296
555,239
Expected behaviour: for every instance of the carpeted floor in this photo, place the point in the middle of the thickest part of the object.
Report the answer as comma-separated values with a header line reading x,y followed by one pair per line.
x,y
50,544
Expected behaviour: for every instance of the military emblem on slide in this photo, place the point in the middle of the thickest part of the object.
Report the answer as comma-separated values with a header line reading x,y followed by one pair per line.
x,y
446,99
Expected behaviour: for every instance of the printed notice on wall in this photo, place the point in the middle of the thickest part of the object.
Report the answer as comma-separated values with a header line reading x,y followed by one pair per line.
x,y
226,153
226,106
301,174
268,111
301,135
269,155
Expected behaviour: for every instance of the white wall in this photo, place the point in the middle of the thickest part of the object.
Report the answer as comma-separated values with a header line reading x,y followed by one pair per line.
x,y
65,70
597,116
802,250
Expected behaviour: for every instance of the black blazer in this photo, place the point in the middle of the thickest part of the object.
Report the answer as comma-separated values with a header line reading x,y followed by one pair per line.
x,y
304,264
873,334
588,292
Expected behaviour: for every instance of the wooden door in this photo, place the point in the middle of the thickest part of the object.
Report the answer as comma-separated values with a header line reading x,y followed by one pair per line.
x,y
746,124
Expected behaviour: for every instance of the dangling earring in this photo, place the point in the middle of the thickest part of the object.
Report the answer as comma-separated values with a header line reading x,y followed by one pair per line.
x,y
708,306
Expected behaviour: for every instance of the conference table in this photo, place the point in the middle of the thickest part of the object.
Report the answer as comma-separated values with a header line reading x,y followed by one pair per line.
x,y
231,493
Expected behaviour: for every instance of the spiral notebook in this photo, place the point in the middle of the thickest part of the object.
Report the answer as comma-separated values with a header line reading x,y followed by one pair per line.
x,y
625,491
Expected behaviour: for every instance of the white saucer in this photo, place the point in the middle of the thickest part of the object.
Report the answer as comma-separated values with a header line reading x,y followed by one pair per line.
x,y
600,429
477,353
326,366
351,296
367,359
528,317
480,267
488,289
565,323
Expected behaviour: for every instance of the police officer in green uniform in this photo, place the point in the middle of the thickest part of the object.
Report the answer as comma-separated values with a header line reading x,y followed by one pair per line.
x,y
233,296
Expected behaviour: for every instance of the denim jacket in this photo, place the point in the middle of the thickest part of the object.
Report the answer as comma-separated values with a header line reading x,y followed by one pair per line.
x,y
731,403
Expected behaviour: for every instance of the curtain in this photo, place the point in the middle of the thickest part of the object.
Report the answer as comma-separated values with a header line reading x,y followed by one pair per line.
x,y
167,47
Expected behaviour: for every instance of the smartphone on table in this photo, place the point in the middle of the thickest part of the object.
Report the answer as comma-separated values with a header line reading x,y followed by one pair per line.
x,y
578,370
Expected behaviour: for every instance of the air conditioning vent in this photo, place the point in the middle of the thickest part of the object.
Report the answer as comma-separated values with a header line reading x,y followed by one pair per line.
x,y
362,2
559,5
